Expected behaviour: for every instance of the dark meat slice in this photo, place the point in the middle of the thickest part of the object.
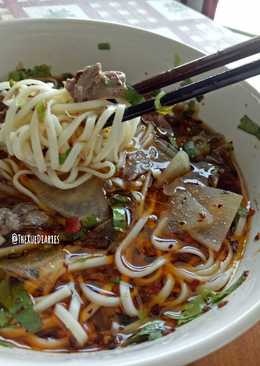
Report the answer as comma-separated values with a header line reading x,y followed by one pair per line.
x,y
40,265
143,161
88,199
101,237
21,216
93,83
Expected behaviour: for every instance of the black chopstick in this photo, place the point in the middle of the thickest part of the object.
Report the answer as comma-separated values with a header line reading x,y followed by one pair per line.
x,y
199,66
196,89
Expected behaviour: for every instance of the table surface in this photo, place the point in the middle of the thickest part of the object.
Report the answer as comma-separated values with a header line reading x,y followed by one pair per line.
x,y
174,20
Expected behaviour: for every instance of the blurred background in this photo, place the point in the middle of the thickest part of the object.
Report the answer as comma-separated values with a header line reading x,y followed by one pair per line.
x,y
238,15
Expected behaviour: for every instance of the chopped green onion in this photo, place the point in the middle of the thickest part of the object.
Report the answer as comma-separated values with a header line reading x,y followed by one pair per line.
x,y
119,200
173,142
119,218
154,93
249,126
104,46
159,108
41,110
63,157
132,96
116,281
90,221
191,149
186,82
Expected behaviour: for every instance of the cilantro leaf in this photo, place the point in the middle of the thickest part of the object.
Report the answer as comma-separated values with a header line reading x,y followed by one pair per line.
x,y
5,318
17,305
203,302
148,332
90,221
132,96
212,297
38,71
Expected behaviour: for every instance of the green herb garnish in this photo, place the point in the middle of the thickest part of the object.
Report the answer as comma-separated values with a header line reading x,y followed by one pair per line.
x,y
148,332
116,281
63,157
38,71
119,218
104,46
191,149
90,221
159,108
186,82
17,305
249,126
41,110
132,96
5,318
203,302
173,142
119,199
154,93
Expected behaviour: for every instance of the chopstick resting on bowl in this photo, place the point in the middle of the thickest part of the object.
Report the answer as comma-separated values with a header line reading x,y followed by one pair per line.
x,y
199,66
194,68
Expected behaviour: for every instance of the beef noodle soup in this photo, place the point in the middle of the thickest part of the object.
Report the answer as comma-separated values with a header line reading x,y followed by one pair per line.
x,y
111,233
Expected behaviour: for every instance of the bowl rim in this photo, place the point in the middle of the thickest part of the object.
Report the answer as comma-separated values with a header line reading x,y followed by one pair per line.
x,y
197,349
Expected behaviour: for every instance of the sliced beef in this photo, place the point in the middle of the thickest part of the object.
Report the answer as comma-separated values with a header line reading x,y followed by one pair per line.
x,y
143,161
21,216
93,83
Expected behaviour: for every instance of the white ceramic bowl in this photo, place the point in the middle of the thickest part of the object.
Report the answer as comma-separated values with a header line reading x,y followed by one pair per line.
x,y
71,44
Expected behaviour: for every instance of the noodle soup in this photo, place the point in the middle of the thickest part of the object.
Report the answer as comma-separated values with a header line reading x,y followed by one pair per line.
x,y
112,233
